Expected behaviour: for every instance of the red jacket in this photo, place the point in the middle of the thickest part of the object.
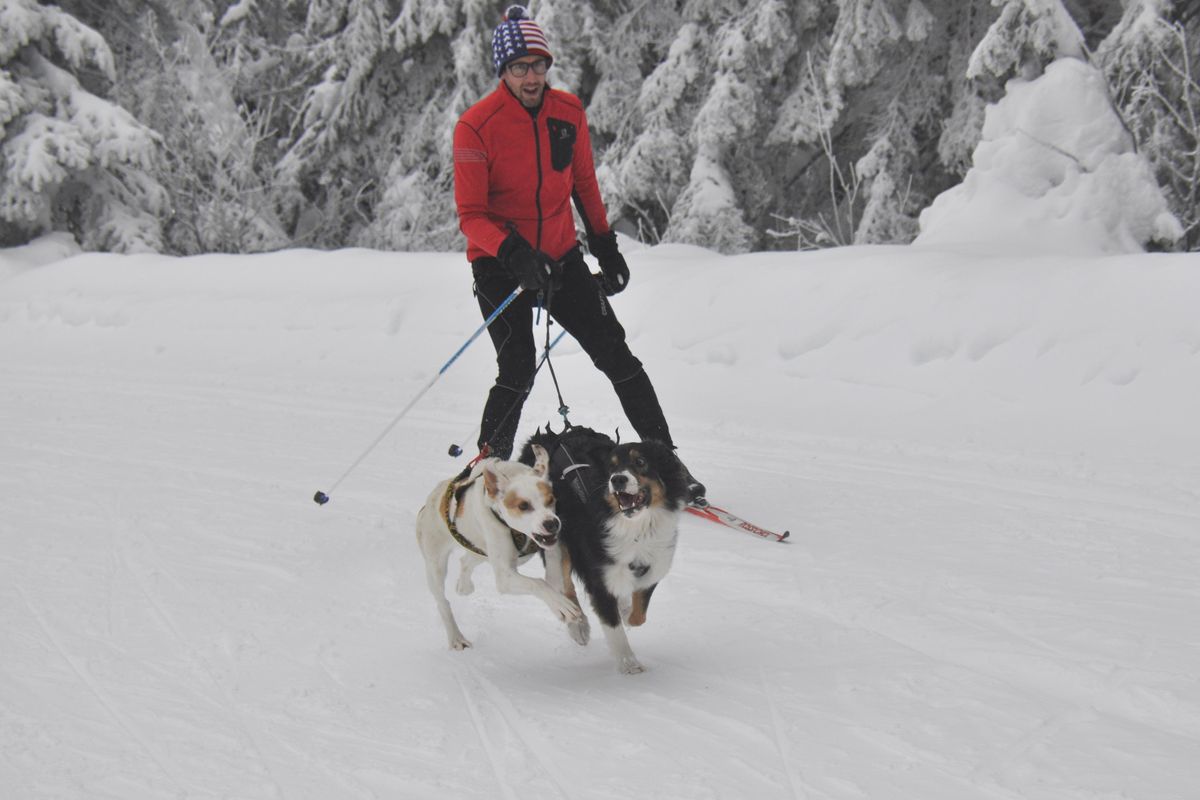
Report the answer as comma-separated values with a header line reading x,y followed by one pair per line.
x,y
514,166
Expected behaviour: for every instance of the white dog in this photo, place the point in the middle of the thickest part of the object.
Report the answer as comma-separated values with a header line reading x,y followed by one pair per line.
x,y
502,512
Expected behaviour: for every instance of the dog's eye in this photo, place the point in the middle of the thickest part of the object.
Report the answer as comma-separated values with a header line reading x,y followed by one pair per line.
x,y
639,462
525,506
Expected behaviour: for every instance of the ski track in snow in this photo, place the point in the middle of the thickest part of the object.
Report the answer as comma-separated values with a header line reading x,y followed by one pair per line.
x,y
110,707
218,688
529,757
486,694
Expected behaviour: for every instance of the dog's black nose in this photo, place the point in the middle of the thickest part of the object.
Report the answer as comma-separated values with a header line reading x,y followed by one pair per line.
x,y
551,525
618,482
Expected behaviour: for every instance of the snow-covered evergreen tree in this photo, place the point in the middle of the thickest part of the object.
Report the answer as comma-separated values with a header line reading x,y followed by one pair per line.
x,y
371,162
440,52
334,167
960,127
694,160
1152,61
69,158
1028,35
869,35
728,178
888,116
651,160
861,38
328,122
217,81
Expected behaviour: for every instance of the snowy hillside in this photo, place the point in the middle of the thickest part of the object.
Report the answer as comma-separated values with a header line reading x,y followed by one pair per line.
x,y
989,467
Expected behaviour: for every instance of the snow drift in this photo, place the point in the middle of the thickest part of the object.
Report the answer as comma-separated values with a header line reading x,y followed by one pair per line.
x,y
1054,172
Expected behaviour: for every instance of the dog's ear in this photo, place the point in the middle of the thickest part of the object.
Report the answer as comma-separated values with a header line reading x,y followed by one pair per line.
x,y
541,462
494,481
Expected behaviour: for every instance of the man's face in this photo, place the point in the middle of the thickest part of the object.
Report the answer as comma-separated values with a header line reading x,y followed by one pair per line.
x,y
529,87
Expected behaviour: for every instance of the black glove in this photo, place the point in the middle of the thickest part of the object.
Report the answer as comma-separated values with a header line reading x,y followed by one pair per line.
x,y
614,272
535,270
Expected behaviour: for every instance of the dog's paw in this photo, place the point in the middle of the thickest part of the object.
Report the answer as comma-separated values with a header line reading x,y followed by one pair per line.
x,y
566,609
459,643
630,666
581,631
465,585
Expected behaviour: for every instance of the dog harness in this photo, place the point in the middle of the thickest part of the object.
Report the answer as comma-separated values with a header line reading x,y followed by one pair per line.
x,y
568,469
453,497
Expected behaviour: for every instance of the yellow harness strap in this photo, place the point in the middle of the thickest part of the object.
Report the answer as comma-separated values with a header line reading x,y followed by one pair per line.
x,y
524,544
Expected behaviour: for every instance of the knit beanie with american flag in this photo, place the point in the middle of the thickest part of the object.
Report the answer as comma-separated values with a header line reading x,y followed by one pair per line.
x,y
517,36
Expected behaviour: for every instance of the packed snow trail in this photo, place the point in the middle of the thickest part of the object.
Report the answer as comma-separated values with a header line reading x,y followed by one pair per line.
x,y
989,591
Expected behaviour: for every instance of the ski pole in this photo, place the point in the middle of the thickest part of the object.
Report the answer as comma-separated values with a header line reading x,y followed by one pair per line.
x,y
456,450
321,498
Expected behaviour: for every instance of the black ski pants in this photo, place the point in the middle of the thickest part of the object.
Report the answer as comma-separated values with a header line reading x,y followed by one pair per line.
x,y
580,307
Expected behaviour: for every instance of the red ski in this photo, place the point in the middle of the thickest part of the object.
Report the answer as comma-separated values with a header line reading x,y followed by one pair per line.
x,y
722,517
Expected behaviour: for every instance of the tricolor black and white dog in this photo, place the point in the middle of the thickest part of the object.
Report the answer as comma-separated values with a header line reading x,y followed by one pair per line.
x,y
619,505
501,512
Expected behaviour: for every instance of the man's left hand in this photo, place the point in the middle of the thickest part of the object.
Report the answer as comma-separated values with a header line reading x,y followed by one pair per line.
x,y
614,272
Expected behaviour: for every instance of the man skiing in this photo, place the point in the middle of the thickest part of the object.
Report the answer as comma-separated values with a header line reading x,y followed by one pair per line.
x,y
522,154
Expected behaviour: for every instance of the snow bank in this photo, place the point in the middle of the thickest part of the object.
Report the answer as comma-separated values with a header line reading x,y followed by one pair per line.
x,y
43,250
1055,172
843,341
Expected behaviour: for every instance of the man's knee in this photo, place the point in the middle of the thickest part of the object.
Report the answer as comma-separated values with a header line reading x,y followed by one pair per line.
x,y
514,373
618,364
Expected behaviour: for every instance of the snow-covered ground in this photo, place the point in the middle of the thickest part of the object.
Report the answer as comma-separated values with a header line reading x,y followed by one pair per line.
x,y
989,466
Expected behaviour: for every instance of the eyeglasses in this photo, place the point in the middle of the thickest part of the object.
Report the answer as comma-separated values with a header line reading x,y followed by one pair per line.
x,y
519,69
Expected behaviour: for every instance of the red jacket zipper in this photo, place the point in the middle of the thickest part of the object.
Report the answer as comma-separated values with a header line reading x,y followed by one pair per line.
x,y
537,194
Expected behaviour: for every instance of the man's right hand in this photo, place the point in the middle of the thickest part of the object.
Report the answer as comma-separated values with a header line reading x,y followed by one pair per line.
x,y
535,270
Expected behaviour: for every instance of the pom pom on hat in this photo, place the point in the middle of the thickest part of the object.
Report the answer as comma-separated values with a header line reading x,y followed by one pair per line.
x,y
517,36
